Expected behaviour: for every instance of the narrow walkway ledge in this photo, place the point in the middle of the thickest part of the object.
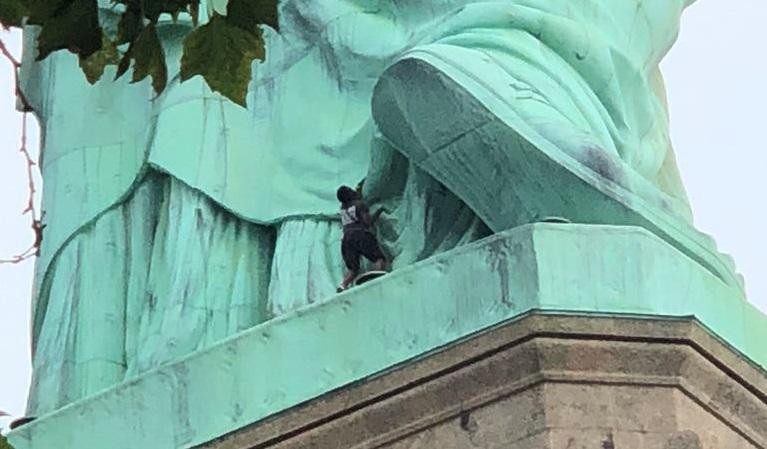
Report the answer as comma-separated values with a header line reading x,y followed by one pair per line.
x,y
541,381
549,268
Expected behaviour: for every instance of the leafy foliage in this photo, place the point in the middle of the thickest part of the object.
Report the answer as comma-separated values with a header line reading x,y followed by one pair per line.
x,y
93,66
130,25
12,12
4,443
149,59
250,14
221,51
66,24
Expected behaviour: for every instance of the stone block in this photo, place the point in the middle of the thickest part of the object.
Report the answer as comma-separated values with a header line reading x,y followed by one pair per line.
x,y
452,335
544,382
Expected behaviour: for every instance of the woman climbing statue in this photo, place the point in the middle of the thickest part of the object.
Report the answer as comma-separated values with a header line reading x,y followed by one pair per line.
x,y
357,240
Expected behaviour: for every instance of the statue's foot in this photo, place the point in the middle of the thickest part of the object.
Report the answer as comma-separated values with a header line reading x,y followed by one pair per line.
x,y
453,119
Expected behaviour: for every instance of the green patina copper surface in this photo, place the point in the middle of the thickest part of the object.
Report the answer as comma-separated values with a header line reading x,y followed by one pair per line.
x,y
177,221
550,268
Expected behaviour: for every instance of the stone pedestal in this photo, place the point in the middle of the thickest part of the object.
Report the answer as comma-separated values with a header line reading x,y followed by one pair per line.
x,y
543,382
545,336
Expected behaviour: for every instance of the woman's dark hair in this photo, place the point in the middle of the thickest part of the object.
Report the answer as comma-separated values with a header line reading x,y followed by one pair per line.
x,y
346,194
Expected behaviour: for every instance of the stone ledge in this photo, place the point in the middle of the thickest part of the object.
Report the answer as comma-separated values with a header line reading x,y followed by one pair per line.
x,y
542,353
399,318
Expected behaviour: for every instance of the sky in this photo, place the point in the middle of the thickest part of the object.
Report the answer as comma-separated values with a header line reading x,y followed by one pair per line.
x,y
717,86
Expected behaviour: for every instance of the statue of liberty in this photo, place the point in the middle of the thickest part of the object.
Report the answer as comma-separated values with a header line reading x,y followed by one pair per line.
x,y
177,221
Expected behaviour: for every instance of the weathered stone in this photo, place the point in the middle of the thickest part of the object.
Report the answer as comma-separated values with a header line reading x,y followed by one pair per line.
x,y
544,382
471,299
684,440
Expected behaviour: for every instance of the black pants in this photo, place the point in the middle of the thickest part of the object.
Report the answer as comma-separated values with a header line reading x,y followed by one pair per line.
x,y
358,243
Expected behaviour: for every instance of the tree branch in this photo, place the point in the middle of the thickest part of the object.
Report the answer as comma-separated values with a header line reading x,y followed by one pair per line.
x,y
36,225
16,67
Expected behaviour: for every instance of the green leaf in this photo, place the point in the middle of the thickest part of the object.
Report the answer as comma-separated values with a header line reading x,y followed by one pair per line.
x,y
12,12
41,10
152,9
194,11
4,444
130,25
149,59
94,65
66,24
222,53
176,7
124,63
250,14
